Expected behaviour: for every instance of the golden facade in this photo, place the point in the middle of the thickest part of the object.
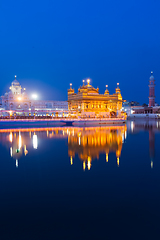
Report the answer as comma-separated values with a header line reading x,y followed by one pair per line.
x,y
88,102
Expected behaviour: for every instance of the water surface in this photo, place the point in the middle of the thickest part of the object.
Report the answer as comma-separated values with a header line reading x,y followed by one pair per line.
x,y
80,183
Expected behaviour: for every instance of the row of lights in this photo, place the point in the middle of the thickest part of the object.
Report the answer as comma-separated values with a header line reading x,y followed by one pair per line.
x,y
88,81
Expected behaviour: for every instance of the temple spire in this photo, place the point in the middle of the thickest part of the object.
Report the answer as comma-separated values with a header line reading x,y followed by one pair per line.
x,y
151,90
106,91
88,81
118,89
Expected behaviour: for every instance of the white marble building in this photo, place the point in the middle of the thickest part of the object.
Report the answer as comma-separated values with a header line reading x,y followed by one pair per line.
x,y
17,101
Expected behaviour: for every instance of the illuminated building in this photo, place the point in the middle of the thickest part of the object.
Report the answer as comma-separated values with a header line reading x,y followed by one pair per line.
x,y
152,110
88,102
16,98
16,101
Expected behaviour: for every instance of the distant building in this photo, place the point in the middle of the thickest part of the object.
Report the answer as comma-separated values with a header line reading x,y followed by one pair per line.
x,y
88,102
151,91
152,110
16,101
127,106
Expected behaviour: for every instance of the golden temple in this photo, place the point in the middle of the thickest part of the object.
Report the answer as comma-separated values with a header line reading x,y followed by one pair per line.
x,y
88,102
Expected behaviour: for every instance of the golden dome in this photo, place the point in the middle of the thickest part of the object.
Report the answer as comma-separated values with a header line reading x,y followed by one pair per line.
x,y
88,89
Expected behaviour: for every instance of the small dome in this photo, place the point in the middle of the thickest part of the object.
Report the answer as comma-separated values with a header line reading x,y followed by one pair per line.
x,y
151,77
106,91
88,89
15,83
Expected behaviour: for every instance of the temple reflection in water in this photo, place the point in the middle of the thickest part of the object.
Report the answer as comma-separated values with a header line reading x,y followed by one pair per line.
x,y
86,142
90,142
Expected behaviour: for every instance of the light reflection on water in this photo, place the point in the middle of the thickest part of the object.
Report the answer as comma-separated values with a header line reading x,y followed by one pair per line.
x,y
87,142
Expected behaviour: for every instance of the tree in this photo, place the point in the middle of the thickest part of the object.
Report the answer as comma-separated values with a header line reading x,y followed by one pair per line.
x,y
144,105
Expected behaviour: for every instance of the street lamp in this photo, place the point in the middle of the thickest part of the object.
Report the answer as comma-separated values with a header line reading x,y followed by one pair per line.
x,y
34,96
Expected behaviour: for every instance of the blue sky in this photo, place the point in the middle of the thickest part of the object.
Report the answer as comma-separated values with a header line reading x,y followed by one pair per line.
x,y
49,44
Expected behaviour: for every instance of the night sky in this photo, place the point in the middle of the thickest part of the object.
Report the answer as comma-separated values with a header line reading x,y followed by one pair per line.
x,y
49,44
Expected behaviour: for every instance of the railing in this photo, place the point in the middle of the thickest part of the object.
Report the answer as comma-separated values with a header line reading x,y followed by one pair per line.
x,y
34,119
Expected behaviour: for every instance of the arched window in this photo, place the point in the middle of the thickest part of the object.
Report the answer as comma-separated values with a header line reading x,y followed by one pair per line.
x,y
11,105
25,106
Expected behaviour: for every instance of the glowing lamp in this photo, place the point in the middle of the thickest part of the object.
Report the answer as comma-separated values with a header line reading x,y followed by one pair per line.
x,y
19,98
34,96
88,81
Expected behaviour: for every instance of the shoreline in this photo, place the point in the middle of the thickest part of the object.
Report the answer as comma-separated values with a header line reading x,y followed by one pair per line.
x,y
60,122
